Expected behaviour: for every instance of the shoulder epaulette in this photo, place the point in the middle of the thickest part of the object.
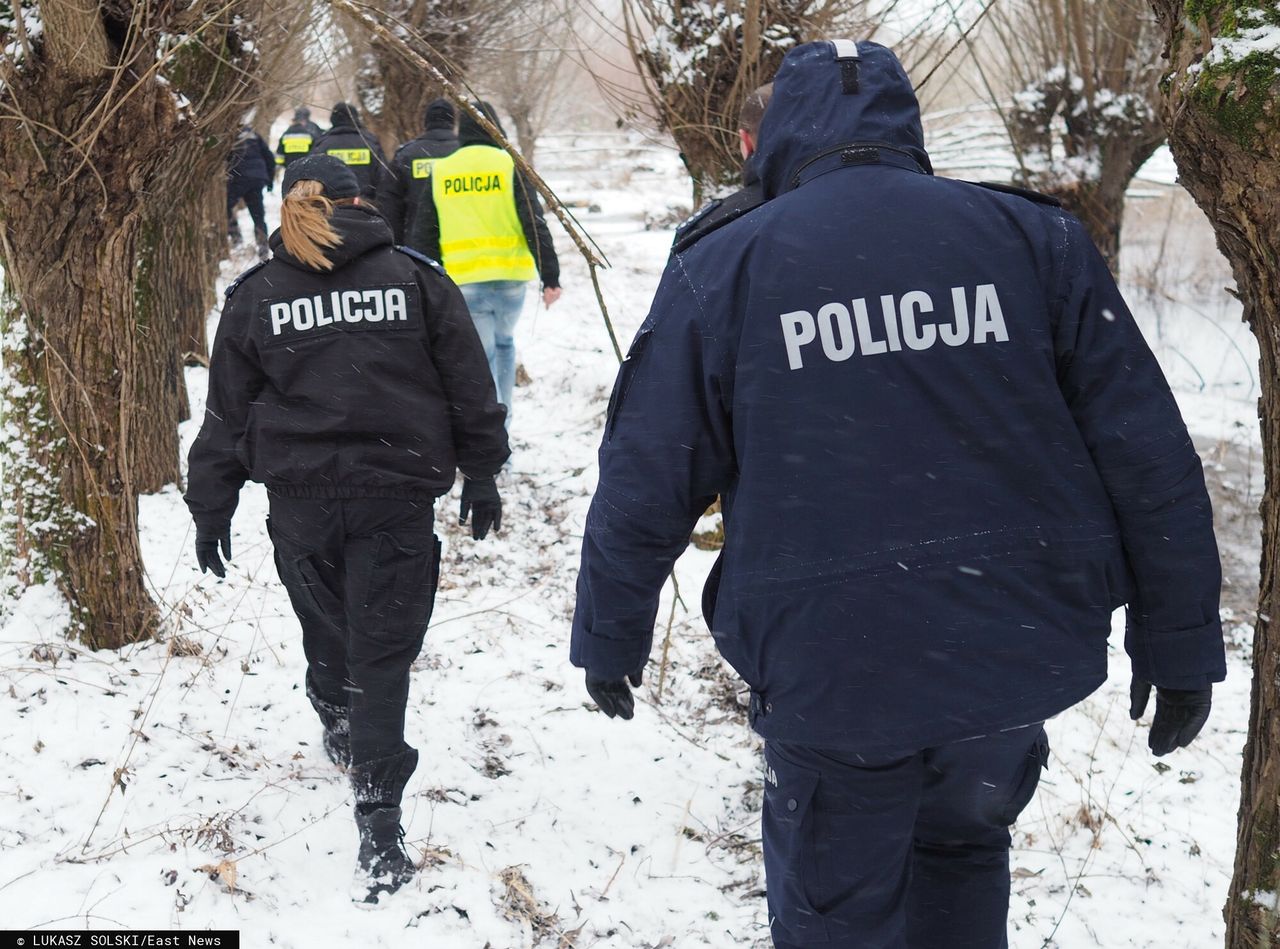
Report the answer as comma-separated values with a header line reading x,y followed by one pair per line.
x,y
231,287
715,216
422,259
1036,196
692,222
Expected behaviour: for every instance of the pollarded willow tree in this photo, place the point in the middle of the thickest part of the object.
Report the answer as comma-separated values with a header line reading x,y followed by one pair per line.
x,y
1085,110
699,62
523,67
392,93
1222,108
92,122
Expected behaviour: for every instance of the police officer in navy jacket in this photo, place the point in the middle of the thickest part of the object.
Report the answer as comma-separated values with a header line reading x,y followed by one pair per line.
x,y
347,377
349,141
945,456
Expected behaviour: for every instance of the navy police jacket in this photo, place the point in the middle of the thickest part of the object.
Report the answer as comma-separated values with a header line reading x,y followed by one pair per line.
x,y
945,451
364,381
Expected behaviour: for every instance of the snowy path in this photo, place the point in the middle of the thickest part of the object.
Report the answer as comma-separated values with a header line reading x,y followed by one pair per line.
x,y
536,820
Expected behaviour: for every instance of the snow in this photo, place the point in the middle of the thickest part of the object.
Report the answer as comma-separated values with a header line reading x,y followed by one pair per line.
x,y
133,777
1258,39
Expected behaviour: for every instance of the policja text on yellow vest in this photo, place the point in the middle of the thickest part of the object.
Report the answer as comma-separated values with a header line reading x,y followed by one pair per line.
x,y
480,234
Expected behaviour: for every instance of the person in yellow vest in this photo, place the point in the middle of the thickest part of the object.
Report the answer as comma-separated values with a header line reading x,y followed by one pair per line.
x,y
484,223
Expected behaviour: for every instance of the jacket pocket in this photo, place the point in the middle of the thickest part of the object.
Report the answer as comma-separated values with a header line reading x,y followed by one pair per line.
x,y
787,830
626,376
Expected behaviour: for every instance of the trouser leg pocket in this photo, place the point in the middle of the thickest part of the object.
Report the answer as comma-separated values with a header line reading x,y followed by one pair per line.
x,y
1036,761
787,830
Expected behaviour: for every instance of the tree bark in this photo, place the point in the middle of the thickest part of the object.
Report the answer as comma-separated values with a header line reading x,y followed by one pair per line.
x,y
75,282
89,353
393,93
1223,119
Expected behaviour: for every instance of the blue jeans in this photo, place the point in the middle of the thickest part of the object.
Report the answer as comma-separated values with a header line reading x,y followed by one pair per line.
x,y
906,851
495,307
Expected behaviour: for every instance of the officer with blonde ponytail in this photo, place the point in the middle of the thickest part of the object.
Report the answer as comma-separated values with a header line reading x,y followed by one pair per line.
x,y
348,378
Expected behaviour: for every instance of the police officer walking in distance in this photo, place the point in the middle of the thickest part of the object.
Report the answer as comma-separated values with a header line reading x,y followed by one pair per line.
x,y
347,377
250,168
483,221
351,143
408,176
945,455
295,141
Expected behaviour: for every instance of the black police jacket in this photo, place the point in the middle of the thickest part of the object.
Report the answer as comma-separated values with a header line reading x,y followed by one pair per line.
x,y
409,175
360,149
944,450
250,158
364,381
295,142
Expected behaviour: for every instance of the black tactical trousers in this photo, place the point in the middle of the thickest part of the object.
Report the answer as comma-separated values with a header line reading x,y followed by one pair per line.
x,y
362,576
906,851
251,191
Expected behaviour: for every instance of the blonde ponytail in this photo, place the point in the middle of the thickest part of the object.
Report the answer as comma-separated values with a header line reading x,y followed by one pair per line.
x,y
304,224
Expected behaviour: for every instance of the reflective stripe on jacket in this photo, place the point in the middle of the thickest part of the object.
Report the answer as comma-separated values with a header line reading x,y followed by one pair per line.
x,y
480,234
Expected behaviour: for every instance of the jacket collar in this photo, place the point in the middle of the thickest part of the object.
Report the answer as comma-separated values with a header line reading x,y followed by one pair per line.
x,y
361,228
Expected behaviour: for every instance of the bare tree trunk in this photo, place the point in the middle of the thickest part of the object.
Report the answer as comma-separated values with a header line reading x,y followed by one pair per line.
x,y
393,93
526,133
1084,112
87,166
192,241
159,389
1223,118
73,269
698,97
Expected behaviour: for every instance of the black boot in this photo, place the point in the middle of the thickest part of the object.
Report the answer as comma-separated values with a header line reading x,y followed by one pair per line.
x,y
382,866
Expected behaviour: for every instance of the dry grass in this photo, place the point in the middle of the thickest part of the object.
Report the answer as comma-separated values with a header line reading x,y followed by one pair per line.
x,y
519,904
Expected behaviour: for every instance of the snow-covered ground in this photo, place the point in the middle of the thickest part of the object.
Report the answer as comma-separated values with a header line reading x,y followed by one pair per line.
x,y
181,783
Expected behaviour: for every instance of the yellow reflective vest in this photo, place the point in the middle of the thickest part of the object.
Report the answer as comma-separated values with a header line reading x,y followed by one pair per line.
x,y
480,234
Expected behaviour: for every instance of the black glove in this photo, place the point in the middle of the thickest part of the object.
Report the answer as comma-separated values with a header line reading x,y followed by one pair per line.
x,y
613,695
1180,714
207,541
481,498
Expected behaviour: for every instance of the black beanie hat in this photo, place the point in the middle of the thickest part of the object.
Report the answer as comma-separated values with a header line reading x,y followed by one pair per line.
x,y
302,113
344,113
469,130
440,114
338,180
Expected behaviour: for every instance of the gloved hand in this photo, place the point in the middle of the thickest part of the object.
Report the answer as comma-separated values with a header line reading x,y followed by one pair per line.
x,y
207,542
481,498
1180,714
613,695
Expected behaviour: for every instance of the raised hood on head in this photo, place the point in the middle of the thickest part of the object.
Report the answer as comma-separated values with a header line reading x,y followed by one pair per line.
x,y
824,98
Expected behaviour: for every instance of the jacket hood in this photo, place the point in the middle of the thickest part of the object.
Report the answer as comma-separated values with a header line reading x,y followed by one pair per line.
x,y
825,97
469,130
361,228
